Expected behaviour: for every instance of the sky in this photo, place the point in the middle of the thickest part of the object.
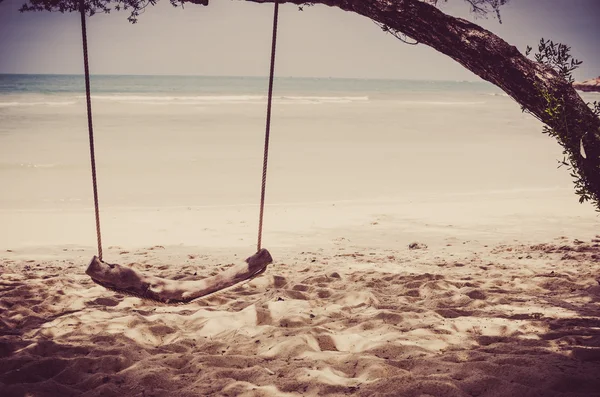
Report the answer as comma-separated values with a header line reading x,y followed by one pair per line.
x,y
232,38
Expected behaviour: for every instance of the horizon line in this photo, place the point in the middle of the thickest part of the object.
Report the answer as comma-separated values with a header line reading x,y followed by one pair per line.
x,y
242,76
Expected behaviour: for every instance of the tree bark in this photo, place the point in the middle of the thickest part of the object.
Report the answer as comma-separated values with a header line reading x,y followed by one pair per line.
x,y
129,281
494,60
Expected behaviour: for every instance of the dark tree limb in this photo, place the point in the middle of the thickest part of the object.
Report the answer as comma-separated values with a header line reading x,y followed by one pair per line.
x,y
131,282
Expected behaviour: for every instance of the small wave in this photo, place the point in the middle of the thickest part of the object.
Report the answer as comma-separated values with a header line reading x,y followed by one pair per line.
x,y
179,100
28,165
324,99
207,98
441,103
55,103
224,99
33,165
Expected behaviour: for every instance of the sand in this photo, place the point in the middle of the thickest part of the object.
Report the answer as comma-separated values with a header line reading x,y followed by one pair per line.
x,y
499,296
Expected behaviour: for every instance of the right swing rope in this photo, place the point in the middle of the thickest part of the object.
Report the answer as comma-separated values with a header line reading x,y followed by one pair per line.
x,y
268,127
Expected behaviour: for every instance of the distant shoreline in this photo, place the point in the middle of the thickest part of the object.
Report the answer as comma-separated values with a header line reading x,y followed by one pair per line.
x,y
244,77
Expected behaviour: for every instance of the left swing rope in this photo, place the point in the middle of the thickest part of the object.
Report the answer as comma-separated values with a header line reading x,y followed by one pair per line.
x,y
90,124
268,126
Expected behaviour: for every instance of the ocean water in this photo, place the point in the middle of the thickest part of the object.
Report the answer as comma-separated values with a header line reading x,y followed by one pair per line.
x,y
168,141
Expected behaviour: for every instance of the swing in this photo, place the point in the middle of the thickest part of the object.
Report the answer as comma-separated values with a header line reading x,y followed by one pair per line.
x,y
128,281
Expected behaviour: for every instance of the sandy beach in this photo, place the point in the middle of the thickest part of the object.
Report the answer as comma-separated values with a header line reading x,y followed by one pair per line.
x,y
500,305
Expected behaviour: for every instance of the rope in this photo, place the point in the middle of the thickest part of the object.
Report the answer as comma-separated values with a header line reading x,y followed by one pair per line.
x,y
268,127
90,127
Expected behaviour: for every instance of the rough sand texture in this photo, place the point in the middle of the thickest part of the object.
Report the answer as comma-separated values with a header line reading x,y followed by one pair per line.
x,y
461,319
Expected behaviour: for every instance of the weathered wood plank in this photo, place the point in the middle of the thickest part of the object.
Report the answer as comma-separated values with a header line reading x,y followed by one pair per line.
x,y
132,282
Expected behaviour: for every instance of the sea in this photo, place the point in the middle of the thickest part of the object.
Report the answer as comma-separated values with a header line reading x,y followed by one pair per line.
x,y
182,141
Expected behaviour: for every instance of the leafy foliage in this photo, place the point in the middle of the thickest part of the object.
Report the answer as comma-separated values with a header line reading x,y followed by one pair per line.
x,y
558,57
